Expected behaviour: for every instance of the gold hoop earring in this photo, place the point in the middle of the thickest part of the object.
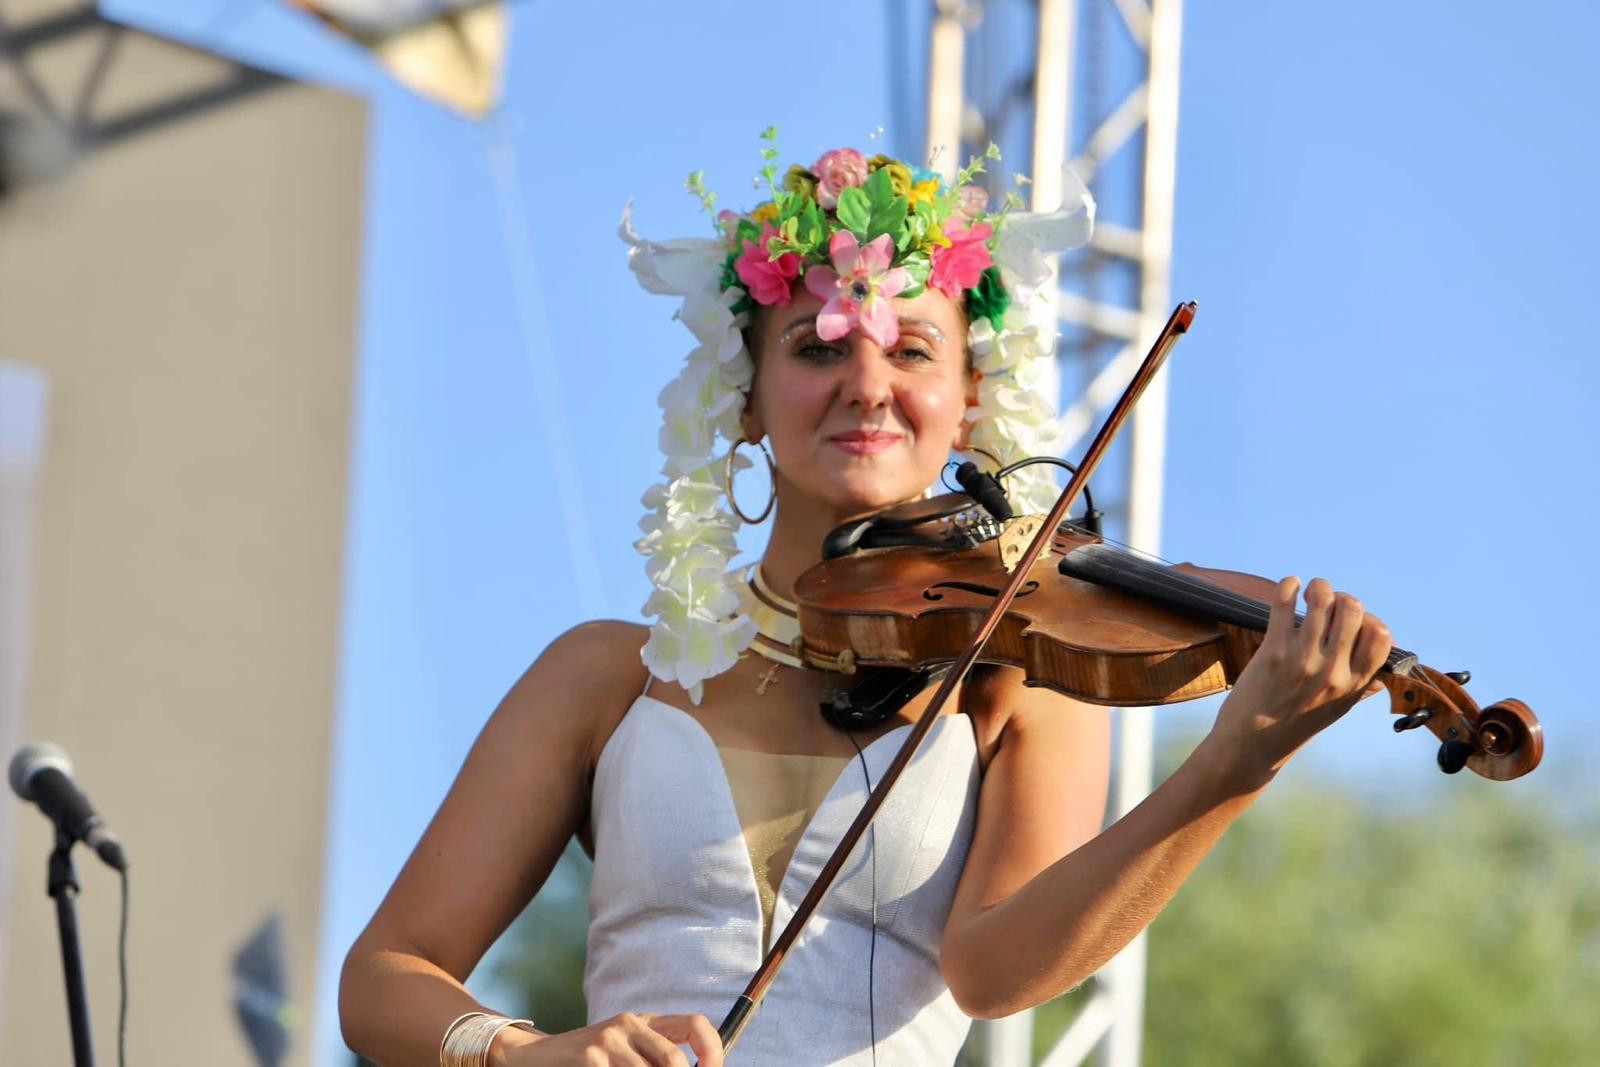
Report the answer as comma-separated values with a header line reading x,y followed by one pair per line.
x,y
727,482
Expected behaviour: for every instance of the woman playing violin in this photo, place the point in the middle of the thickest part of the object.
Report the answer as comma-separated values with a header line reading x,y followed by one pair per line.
x,y
864,322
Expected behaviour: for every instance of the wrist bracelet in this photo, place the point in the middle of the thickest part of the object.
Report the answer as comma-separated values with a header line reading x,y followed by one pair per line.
x,y
468,1038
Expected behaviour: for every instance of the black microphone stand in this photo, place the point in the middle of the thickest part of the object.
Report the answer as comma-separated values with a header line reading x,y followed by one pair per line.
x,y
64,890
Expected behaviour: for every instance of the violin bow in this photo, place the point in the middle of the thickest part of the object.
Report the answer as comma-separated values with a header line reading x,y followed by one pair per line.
x,y
739,1015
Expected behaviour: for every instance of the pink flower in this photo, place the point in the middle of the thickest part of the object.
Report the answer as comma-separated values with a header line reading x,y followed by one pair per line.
x,y
836,171
971,200
769,280
859,289
958,267
728,223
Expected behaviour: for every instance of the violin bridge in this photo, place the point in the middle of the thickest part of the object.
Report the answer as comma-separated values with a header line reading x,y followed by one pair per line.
x,y
1015,538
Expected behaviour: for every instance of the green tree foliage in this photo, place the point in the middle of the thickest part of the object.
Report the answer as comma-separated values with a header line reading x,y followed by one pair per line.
x,y
1456,926
1460,926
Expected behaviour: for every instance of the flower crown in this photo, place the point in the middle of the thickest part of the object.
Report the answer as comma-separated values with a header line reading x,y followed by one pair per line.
x,y
864,231
857,233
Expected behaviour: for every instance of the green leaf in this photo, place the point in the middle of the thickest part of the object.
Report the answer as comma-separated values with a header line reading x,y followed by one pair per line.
x,y
916,229
854,210
917,267
879,190
888,210
812,232
975,166
892,221
696,184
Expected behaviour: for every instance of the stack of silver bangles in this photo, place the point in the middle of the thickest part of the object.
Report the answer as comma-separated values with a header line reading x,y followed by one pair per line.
x,y
467,1040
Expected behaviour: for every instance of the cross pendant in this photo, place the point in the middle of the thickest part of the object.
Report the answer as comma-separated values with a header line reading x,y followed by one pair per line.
x,y
768,679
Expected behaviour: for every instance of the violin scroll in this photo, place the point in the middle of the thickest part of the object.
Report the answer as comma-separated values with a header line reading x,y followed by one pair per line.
x,y
1499,742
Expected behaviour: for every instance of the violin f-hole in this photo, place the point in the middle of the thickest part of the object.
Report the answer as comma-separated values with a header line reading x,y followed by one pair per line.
x,y
976,588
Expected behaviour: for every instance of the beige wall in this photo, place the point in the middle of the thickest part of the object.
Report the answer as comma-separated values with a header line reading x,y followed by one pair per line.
x,y
190,297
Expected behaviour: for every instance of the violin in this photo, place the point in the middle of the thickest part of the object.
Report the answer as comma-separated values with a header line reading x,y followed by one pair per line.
x,y
1102,624
958,580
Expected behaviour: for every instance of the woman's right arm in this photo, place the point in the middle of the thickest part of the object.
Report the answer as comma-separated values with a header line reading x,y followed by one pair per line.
x,y
522,793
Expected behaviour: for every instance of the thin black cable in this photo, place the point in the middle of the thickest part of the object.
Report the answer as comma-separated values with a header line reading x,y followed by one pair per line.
x,y
944,477
122,977
872,951
1088,497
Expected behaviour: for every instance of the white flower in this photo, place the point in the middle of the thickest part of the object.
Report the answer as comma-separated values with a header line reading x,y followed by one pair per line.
x,y
1014,419
1008,351
685,438
681,546
688,650
980,339
709,315
696,406
1026,242
711,600
737,373
676,268
698,495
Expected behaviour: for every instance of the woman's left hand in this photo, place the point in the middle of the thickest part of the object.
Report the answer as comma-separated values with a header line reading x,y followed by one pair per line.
x,y
1301,679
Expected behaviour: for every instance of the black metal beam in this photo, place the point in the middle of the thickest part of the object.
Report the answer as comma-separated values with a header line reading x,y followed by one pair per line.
x,y
15,41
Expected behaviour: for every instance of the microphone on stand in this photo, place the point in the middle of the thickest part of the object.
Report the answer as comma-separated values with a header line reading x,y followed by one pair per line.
x,y
42,774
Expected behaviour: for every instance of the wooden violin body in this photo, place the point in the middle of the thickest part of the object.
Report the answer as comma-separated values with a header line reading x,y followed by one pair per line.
x,y
917,607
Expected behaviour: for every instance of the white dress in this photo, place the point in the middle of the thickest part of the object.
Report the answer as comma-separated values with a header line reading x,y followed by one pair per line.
x,y
675,918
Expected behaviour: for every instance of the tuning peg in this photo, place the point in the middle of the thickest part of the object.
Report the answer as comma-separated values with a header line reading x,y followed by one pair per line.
x,y
1453,755
1459,677
1412,721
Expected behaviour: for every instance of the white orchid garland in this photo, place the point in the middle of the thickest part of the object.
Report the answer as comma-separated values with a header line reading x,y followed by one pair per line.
x,y
698,631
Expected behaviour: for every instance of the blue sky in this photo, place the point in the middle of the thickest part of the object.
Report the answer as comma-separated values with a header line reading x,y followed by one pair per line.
x,y
1383,209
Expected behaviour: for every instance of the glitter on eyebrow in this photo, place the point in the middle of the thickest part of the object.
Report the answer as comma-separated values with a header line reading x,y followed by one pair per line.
x,y
811,320
925,324
803,320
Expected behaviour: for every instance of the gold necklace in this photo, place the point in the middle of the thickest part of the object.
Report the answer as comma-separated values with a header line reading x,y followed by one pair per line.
x,y
777,627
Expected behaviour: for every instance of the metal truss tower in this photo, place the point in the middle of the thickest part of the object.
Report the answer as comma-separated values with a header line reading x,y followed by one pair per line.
x,y
47,124
1109,67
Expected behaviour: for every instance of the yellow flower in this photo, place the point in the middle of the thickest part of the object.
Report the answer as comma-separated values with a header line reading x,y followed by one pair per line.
x,y
925,192
764,214
936,237
899,173
800,180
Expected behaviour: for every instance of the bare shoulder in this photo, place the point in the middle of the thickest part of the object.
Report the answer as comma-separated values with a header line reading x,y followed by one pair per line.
x,y
519,797
593,672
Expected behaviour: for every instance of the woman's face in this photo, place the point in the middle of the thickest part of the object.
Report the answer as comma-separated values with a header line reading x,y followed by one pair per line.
x,y
851,425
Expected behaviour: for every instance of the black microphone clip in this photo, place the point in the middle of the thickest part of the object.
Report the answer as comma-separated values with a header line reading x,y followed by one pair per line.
x,y
986,489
